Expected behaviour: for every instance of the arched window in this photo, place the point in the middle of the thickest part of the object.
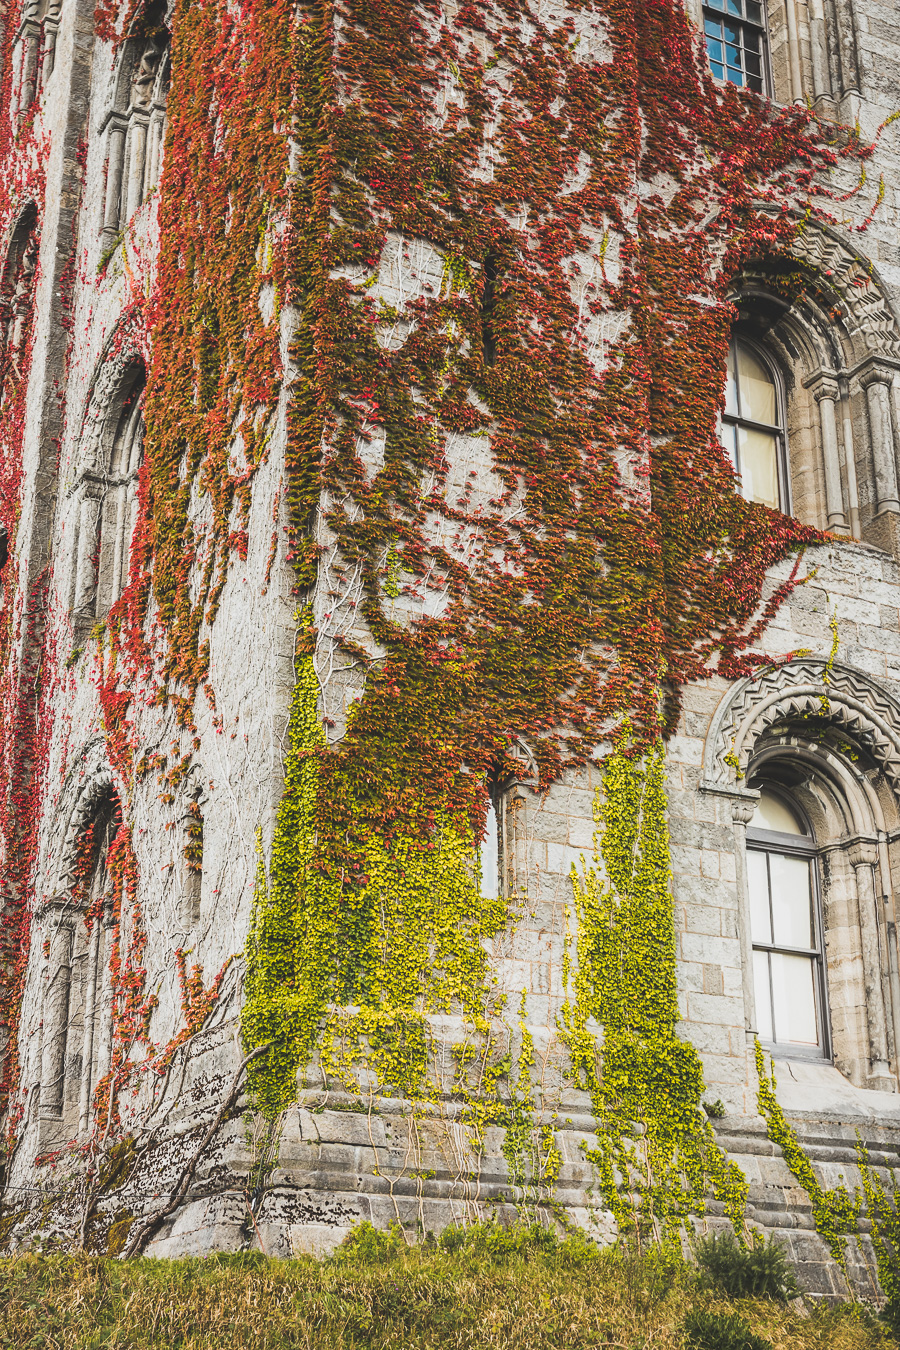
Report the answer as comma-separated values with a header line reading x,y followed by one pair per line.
x,y
135,124
17,291
786,928
119,508
107,510
753,426
77,1016
489,856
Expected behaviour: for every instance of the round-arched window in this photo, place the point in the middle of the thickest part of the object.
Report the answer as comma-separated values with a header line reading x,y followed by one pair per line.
x,y
753,427
786,928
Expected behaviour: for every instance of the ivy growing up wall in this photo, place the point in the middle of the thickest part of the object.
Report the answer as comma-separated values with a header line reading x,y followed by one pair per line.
x,y
590,194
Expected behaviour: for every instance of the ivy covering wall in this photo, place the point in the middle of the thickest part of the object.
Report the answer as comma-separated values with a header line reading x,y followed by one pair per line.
x,y
590,196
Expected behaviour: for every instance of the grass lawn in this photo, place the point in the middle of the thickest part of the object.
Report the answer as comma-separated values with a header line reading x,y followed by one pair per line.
x,y
484,1290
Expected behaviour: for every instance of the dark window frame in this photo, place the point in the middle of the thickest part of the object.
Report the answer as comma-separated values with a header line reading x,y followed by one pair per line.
x,y
778,429
712,13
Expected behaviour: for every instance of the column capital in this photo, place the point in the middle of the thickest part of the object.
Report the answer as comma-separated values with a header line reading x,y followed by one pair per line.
x,y
875,371
863,852
826,388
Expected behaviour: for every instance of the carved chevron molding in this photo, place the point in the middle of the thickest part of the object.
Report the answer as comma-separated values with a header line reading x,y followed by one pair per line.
x,y
869,313
797,690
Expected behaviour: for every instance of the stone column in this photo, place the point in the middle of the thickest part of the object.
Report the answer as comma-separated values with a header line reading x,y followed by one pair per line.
x,y
85,566
818,44
826,395
90,1018
850,462
742,810
876,381
863,855
56,1017
114,163
103,1015
51,29
30,38
137,147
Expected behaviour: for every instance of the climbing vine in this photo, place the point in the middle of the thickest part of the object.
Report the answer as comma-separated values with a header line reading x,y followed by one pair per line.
x,y
836,1212
474,281
656,1152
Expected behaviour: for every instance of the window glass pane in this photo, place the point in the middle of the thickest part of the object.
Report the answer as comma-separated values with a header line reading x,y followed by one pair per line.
x,y
758,466
791,900
764,1025
751,63
716,4
793,993
758,886
726,437
734,7
772,814
715,50
755,83
488,856
731,405
732,35
753,11
751,40
735,74
712,28
757,389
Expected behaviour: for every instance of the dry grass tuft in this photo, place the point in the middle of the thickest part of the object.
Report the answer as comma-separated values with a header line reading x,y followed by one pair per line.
x,y
537,1296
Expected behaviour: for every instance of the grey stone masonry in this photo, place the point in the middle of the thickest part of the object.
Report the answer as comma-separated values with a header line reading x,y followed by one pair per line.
x,y
816,731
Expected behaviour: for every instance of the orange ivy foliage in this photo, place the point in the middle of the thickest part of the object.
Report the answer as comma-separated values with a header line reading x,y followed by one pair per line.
x,y
613,558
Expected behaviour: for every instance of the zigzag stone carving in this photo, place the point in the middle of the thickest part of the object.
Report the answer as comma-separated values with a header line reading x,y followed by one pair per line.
x,y
803,688
869,316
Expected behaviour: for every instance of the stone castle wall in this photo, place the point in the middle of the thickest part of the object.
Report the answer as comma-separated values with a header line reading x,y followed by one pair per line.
x,y
341,1158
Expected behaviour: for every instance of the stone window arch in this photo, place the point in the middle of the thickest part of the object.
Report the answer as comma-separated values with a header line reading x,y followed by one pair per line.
x,y
134,122
107,494
17,292
823,740
33,53
77,1022
830,332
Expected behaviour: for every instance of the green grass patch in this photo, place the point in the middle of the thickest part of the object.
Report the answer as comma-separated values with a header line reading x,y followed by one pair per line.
x,y
484,1287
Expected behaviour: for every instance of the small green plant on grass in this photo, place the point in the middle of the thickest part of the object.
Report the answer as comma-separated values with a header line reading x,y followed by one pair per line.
x,y
721,1331
758,1270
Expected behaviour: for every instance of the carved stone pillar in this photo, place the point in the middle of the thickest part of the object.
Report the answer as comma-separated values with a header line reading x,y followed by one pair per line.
x,y
137,148
876,381
827,395
56,1015
818,45
29,40
742,809
863,856
90,1024
114,165
86,560
51,29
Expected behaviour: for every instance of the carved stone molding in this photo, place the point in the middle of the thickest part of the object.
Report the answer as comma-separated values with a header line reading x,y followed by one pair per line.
x,y
796,690
89,779
868,314
126,348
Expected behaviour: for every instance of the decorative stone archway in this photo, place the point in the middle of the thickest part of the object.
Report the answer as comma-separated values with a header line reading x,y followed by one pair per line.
x,y
800,689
